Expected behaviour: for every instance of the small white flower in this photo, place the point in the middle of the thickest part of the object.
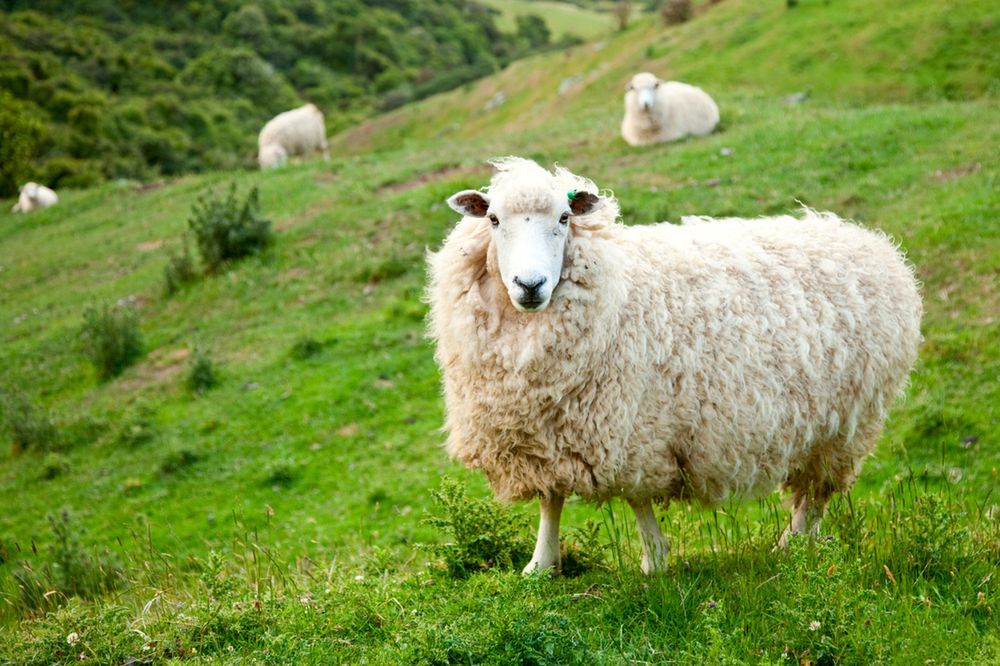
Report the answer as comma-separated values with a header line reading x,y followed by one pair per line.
x,y
73,638
359,578
814,625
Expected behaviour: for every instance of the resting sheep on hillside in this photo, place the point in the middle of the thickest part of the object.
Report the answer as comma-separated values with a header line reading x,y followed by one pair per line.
x,y
296,132
716,359
657,111
32,196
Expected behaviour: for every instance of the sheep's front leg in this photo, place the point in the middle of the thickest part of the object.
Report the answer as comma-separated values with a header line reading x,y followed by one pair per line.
x,y
547,547
654,546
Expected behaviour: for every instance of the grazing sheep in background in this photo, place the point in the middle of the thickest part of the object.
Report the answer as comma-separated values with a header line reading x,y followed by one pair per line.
x,y
657,111
34,196
716,359
296,132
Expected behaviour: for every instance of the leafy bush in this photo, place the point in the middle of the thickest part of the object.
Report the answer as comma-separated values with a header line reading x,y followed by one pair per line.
x,y
21,134
482,533
179,271
111,338
306,348
53,466
178,461
28,426
201,375
227,228
138,426
674,12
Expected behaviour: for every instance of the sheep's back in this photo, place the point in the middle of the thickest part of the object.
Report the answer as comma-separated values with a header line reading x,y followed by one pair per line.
x,y
770,337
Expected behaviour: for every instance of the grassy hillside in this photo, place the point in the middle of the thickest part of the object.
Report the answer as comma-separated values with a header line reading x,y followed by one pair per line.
x,y
277,517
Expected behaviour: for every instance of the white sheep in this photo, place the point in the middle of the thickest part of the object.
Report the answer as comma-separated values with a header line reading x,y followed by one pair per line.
x,y
709,360
657,111
32,196
297,132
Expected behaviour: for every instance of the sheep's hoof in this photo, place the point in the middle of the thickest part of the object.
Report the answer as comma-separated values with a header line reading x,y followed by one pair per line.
x,y
536,567
653,567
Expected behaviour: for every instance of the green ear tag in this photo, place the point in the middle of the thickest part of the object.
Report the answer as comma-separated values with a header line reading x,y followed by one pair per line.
x,y
571,195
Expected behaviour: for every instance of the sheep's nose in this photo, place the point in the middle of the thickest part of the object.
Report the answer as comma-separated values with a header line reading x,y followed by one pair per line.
x,y
530,286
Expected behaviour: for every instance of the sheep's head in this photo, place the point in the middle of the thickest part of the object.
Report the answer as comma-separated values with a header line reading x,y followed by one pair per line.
x,y
640,93
529,211
271,156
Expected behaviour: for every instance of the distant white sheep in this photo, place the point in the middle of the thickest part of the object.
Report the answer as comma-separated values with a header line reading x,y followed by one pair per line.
x,y
657,111
297,132
32,196
715,359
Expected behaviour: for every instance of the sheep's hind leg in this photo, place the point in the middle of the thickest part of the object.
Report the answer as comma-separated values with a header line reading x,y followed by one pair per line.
x,y
547,547
808,507
655,547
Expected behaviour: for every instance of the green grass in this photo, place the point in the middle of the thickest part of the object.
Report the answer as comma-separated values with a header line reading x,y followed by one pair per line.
x,y
314,458
562,18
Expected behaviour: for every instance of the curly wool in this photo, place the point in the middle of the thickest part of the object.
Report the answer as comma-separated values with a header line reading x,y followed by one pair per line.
x,y
714,359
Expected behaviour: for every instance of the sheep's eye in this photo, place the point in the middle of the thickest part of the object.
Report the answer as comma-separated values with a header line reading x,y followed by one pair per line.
x,y
494,220
656,85
564,218
629,87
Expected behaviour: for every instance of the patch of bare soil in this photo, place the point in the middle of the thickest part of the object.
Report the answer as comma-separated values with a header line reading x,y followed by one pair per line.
x,y
954,173
161,366
441,173
149,246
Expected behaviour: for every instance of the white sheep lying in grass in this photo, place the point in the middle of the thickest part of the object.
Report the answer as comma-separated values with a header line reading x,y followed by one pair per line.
x,y
657,111
297,132
32,196
715,359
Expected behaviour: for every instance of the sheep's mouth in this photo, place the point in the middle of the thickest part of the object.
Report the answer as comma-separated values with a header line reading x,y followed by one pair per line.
x,y
531,304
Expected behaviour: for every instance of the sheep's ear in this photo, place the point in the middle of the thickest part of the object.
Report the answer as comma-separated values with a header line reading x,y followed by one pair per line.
x,y
469,202
581,202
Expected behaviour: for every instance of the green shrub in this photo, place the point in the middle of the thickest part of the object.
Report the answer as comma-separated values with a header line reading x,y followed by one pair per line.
x,y
482,533
137,427
201,375
178,461
674,12
281,473
180,270
21,134
53,466
111,338
227,228
306,348
28,426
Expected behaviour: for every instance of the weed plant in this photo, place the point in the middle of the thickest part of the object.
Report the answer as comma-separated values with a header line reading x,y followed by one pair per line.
x,y
201,373
229,228
28,426
111,338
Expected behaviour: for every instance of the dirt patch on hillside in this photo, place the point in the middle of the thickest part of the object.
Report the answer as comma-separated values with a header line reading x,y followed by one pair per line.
x,y
160,367
447,172
954,173
149,246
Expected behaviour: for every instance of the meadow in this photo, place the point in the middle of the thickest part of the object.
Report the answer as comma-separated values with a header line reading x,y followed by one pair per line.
x,y
302,510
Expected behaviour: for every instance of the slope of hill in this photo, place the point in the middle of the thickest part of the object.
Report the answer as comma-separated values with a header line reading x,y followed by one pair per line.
x,y
310,469
136,90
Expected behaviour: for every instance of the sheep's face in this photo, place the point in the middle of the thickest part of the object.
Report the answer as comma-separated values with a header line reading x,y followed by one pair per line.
x,y
529,233
272,156
640,93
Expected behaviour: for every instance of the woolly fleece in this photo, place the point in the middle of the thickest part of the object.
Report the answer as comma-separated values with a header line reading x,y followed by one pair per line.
x,y
680,110
713,359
